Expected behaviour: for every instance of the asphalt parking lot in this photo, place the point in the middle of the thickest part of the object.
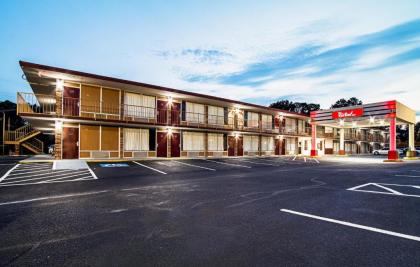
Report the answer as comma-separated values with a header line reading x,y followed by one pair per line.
x,y
238,211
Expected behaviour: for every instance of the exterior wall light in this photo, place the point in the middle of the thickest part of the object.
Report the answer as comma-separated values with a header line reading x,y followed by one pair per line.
x,y
170,100
59,86
372,119
58,125
237,110
169,131
341,122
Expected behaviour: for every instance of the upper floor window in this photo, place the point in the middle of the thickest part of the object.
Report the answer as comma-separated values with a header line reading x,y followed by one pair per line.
x,y
290,124
139,106
252,120
194,112
266,121
216,115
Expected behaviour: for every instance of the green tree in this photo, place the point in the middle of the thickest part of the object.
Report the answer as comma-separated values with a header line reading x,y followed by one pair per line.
x,y
298,107
352,101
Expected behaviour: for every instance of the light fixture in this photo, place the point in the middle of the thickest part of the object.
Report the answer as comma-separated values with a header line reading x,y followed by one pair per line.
x,y
59,86
354,123
382,122
169,131
58,125
403,127
372,119
341,122
236,135
237,110
170,100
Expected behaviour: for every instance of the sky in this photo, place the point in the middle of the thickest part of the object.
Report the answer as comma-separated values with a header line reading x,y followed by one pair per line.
x,y
253,51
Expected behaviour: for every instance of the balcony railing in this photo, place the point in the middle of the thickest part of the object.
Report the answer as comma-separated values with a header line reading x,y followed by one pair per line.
x,y
83,108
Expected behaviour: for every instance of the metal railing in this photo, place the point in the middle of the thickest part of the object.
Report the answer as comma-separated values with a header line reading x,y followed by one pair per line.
x,y
19,133
31,103
35,144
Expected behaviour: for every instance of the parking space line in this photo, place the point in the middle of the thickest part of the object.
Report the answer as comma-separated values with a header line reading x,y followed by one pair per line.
x,y
260,163
156,170
20,171
226,163
294,158
359,226
407,175
8,172
91,173
317,161
33,179
192,165
61,178
53,197
388,189
39,174
357,187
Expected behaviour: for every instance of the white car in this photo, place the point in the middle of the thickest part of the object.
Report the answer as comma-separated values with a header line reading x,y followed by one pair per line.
x,y
384,151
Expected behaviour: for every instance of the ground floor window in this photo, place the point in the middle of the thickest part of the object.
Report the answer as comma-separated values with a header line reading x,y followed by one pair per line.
x,y
192,141
215,142
267,143
290,145
136,139
251,143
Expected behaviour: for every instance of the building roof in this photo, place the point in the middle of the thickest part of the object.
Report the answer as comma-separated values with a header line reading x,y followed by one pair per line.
x,y
42,79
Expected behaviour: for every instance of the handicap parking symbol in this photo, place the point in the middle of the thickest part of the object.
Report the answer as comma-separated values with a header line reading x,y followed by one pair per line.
x,y
113,165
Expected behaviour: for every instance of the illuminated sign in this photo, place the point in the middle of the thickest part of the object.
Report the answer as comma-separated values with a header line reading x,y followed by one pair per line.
x,y
349,113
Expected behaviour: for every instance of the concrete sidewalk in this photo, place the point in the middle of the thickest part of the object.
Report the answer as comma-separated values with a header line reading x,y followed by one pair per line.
x,y
70,164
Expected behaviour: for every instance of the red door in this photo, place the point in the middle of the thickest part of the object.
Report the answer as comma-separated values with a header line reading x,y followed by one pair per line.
x,y
71,100
175,113
278,147
283,147
70,143
240,144
231,146
162,111
175,143
162,144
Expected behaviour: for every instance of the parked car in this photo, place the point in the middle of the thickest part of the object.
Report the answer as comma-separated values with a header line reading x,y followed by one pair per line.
x,y
51,149
385,150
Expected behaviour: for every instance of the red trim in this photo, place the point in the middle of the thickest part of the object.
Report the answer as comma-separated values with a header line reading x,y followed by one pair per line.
x,y
314,153
25,64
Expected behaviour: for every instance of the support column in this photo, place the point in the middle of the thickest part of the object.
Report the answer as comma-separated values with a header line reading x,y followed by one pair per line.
x,y
392,153
342,150
57,147
314,151
411,153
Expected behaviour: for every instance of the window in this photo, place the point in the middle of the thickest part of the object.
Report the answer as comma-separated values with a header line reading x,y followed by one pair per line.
x,y
267,143
253,119
266,121
290,125
193,141
251,143
216,115
136,139
215,142
195,112
305,146
139,106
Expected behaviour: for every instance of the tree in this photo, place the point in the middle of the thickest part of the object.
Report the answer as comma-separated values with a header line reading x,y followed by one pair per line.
x,y
352,101
12,118
298,107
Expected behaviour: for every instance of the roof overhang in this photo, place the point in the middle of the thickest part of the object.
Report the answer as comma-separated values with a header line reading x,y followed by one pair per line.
x,y
43,79
365,116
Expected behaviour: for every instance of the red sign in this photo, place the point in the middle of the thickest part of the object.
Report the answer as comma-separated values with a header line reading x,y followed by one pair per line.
x,y
349,113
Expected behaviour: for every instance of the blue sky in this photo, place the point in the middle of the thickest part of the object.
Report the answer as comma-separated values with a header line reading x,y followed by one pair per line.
x,y
256,51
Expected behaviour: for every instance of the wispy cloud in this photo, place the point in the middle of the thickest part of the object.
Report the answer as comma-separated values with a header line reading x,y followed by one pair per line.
x,y
317,59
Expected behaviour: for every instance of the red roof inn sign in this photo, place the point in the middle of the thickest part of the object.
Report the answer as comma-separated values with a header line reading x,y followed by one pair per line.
x,y
348,113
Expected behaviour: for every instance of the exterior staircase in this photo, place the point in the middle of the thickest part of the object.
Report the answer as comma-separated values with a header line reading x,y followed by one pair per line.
x,y
25,137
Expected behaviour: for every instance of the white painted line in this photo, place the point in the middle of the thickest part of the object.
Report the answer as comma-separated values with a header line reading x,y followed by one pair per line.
x,y
294,158
54,166
356,187
8,172
359,226
260,163
61,178
385,193
91,172
38,183
192,165
387,189
20,172
406,175
53,197
14,176
149,167
38,178
317,161
225,163
415,170
304,158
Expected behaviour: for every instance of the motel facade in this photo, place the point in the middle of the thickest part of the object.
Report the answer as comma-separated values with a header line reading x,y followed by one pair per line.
x,y
99,117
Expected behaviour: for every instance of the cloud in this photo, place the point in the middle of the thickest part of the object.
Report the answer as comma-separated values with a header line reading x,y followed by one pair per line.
x,y
318,59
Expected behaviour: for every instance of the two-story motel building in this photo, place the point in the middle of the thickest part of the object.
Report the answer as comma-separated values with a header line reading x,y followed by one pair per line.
x,y
99,117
